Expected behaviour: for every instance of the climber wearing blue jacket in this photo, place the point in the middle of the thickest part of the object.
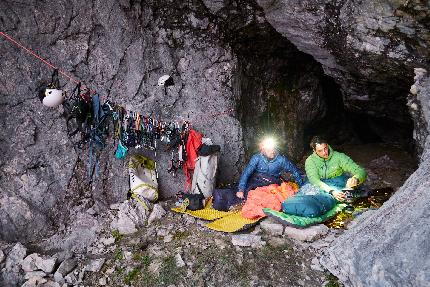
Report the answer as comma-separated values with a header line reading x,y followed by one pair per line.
x,y
265,168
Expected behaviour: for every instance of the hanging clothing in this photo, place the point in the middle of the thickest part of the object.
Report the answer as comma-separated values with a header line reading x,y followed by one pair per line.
x,y
194,141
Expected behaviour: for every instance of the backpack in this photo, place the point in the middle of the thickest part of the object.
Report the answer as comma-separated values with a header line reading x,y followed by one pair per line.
x,y
205,174
143,178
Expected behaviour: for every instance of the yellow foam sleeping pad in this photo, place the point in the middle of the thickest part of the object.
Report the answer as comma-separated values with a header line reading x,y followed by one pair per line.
x,y
207,213
225,221
232,223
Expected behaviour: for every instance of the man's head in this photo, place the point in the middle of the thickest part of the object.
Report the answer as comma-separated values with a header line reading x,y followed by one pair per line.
x,y
320,146
268,148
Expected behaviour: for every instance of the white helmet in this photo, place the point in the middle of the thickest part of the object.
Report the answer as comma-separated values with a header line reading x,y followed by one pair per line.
x,y
166,81
53,98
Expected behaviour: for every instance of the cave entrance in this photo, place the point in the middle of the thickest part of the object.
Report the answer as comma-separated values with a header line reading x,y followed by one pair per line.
x,y
286,93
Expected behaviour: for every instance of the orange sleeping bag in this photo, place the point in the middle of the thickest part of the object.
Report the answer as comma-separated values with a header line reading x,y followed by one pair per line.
x,y
270,196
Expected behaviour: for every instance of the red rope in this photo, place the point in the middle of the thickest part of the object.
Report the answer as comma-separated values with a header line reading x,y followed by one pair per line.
x,y
31,52
38,57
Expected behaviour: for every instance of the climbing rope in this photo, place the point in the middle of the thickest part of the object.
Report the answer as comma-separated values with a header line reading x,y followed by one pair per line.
x,y
71,79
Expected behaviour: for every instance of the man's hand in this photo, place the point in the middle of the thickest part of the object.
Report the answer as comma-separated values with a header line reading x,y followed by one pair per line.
x,y
338,195
352,182
239,194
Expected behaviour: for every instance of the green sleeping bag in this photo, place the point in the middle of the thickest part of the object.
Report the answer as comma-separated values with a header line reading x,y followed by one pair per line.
x,y
302,222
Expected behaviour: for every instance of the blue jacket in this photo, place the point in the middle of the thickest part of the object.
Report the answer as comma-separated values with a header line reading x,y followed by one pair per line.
x,y
259,163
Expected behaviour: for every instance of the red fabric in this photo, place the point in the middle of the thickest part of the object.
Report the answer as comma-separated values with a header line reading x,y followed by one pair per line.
x,y
193,143
270,196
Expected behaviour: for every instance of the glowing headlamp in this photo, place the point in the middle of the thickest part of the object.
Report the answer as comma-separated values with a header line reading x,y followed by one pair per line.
x,y
268,143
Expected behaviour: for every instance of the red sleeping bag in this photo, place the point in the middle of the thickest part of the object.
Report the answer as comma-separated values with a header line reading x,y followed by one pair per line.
x,y
270,196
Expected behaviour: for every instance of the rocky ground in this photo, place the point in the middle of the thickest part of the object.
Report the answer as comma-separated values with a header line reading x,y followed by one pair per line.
x,y
128,246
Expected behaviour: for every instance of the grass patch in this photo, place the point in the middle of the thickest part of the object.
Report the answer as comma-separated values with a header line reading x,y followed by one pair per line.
x,y
179,235
116,235
170,273
118,255
332,281
144,260
131,276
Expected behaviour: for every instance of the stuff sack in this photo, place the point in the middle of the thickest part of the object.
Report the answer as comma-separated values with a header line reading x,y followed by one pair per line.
x,y
308,205
225,199
143,177
205,174
193,201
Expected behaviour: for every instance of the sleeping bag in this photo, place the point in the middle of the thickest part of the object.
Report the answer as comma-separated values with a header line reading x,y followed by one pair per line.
x,y
269,196
308,205
301,221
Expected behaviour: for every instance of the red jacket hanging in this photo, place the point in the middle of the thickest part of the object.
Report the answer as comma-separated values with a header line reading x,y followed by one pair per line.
x,y
193,143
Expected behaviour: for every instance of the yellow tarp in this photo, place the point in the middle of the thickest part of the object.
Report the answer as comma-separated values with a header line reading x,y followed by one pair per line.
x,y
225,221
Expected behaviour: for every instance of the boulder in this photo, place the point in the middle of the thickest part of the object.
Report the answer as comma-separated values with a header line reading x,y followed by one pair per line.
x,y
309,234
247,240
32,274
72,278
34,282
15,256
157,213
131,215
2,257
103,281
108,241
65,268
95,265
29,263
46,264
389,246
179,261
271,227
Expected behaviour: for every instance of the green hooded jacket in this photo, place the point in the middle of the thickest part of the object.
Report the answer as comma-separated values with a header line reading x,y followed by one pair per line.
x,y
336,164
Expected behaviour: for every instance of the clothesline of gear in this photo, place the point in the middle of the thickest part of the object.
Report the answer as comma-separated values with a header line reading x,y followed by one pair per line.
x,y
89,121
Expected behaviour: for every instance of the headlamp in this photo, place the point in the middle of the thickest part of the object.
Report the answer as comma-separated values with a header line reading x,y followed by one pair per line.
x,y
268,143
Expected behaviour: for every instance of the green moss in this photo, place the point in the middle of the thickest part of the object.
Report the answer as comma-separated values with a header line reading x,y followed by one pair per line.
x,y
145,260
118,254
332,281
179,235
170,273
131,276
116,235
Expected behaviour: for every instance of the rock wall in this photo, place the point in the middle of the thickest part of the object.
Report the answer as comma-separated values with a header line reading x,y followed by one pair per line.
x,y
118,48
389,246
252,57
369,48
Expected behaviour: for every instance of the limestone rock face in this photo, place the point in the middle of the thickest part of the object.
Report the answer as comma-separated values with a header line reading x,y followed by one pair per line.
x,y
389,246
242,69
119,49
348,38
229,83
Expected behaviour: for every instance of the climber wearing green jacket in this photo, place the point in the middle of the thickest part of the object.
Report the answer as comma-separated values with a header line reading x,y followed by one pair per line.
x,y
325,165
